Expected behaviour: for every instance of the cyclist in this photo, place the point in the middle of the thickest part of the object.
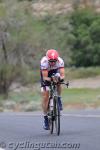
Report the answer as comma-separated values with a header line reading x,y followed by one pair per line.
x,y
50,64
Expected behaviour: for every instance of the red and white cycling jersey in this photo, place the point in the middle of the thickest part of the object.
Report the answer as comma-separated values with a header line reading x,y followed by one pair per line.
x,y
46,66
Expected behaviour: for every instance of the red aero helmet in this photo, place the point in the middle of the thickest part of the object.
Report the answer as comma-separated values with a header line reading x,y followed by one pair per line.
x,y
52,54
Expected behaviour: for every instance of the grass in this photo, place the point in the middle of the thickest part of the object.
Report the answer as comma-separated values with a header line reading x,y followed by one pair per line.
x,y
73,98
82,97
76,73
74,95
26,96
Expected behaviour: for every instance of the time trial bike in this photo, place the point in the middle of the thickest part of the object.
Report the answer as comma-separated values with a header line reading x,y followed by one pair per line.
x,y
54,108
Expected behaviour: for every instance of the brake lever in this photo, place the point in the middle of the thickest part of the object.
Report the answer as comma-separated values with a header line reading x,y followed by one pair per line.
x,y
67,84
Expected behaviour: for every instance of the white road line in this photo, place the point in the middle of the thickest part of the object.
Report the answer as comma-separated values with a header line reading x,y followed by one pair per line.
x,y
63,114
82,116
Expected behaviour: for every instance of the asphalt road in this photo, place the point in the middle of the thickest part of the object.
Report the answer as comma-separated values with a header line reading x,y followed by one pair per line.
x,y
23,131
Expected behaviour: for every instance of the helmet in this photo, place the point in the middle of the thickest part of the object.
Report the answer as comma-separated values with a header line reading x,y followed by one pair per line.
x,y
52,55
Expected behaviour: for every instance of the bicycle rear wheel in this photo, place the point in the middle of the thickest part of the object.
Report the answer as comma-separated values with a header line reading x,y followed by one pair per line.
x,y
57,116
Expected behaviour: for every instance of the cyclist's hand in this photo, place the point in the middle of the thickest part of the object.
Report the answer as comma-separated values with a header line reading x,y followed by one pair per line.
x,y
56,78
59,78
57,75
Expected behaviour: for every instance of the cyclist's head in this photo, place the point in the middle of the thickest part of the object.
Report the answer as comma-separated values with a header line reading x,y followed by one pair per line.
x,y
52,56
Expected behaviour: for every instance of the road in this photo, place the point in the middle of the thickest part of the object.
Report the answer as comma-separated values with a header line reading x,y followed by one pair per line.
x,y
23,131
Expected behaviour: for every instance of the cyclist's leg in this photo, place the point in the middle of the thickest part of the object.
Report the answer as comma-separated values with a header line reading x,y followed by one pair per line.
x,y
45,91
59,89
45,95
45,99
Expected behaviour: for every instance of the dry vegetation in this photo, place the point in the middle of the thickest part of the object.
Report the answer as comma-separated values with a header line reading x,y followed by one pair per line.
x,y
42,7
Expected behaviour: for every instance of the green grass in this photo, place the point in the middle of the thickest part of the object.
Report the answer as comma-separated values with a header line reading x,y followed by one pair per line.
x,y
2,11
25,96
75,73
74,96
82,96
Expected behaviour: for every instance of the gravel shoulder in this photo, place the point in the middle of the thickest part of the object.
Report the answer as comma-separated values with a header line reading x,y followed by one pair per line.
x,y
92,82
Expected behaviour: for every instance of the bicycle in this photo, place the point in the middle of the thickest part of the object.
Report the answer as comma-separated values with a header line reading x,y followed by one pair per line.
x,y
53,107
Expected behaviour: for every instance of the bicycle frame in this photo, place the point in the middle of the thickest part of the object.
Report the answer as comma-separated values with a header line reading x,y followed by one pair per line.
x,y
53,90
54,111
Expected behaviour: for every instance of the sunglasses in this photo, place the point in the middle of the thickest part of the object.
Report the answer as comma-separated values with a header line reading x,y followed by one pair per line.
x,y
52,60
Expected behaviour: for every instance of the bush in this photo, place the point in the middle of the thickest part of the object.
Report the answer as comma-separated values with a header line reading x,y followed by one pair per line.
x,y
85,50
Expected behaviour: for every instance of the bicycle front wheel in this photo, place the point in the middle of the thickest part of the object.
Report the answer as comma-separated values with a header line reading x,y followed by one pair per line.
x,y
51,123
57,116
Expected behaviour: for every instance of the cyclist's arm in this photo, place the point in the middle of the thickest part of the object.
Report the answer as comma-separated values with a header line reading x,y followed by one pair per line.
x,y
62,73
45,75
44,70
61,69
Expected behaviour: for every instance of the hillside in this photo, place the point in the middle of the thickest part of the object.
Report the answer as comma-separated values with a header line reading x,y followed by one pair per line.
x,y
29,27
58,7
43,8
